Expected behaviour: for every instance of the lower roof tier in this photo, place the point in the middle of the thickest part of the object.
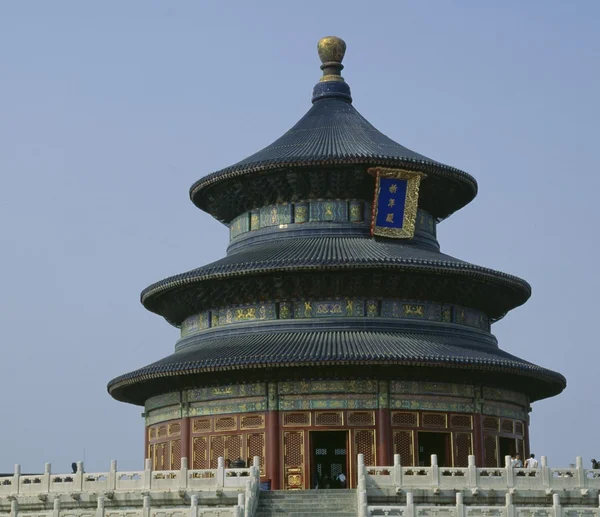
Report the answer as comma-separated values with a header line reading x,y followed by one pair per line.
x,y
432,354
334,266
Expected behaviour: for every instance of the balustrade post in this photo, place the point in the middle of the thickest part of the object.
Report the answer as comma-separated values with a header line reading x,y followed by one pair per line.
x,y
194,506
16,479
56,507
472,471
146,506
249,499
100,511
183,474
14,508
545,472
256,462
410,505
397,472
460,506
237,511
581,481
510,509
47,477
435,471
510,473
79,476
112,475
147,474
220,472
556,506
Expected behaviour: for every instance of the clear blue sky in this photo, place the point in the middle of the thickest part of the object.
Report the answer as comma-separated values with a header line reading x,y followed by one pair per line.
x,y
110,110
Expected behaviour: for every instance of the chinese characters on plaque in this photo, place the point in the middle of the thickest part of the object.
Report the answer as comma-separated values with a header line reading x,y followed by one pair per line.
x,y
395,203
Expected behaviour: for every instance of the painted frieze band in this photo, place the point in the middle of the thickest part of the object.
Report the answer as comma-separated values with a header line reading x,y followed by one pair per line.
x,y
320,210
347,307
335,394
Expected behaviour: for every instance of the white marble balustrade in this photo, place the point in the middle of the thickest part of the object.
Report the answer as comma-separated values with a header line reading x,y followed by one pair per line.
x,y
145,493
119,481
472,477
410,509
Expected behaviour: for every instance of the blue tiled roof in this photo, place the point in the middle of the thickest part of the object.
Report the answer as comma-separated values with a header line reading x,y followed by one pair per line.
x,y
334,132
331,348
337,254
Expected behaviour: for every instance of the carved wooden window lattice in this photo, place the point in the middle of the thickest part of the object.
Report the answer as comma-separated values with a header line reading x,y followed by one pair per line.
x,y
361,418
227,423
521,447
403,445
175,454
200,453
233,447
491,424
490,448
507,426
174,429
293,459
255,445
161,455
462,445
291,419
461,421
162,431
252,422
217,449
401,418
364,441
438,420
201,425
518,427
152,433
327,418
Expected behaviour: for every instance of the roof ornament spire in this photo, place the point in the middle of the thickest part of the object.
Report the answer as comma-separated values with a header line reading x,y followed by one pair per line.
x,y
331,52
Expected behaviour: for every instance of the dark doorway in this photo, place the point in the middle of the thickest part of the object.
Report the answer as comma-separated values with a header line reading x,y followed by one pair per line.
x,y
329,459
507,447
434,443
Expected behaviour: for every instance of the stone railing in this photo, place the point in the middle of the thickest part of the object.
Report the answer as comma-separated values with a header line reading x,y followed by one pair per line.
x,y
410,509
505,478
176,492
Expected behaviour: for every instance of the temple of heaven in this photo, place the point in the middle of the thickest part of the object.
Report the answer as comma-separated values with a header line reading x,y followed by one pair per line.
x,y
334,325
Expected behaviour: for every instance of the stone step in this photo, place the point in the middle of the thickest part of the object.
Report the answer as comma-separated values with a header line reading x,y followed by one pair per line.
x,y
315,497
312,504
298,507
310,514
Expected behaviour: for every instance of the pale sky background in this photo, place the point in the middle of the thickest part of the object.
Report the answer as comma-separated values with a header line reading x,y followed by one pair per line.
x,y
110,110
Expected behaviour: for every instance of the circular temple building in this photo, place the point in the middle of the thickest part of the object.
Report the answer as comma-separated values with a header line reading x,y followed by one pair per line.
x,y
335,325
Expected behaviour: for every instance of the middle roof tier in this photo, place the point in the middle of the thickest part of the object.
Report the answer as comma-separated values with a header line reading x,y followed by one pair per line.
x,y
317,267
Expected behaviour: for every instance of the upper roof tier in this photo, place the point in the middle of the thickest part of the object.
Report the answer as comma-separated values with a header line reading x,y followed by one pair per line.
x,y
332,134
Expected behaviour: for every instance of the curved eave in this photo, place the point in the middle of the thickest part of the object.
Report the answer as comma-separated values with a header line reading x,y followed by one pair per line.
x,y
333,132
329,349
327,254
199,192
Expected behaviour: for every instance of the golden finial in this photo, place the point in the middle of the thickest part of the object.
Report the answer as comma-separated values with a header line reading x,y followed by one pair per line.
x,y
331,52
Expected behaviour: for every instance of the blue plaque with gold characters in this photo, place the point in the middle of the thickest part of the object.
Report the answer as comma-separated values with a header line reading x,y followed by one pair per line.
x,y
395,202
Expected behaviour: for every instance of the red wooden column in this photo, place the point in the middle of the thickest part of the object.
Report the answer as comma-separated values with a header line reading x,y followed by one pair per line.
x,y
478,449
146,440
185,441
527,446
272,449
273,437
383,426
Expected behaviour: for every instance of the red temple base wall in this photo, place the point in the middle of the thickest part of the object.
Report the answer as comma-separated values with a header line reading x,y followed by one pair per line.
x,y
288,442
